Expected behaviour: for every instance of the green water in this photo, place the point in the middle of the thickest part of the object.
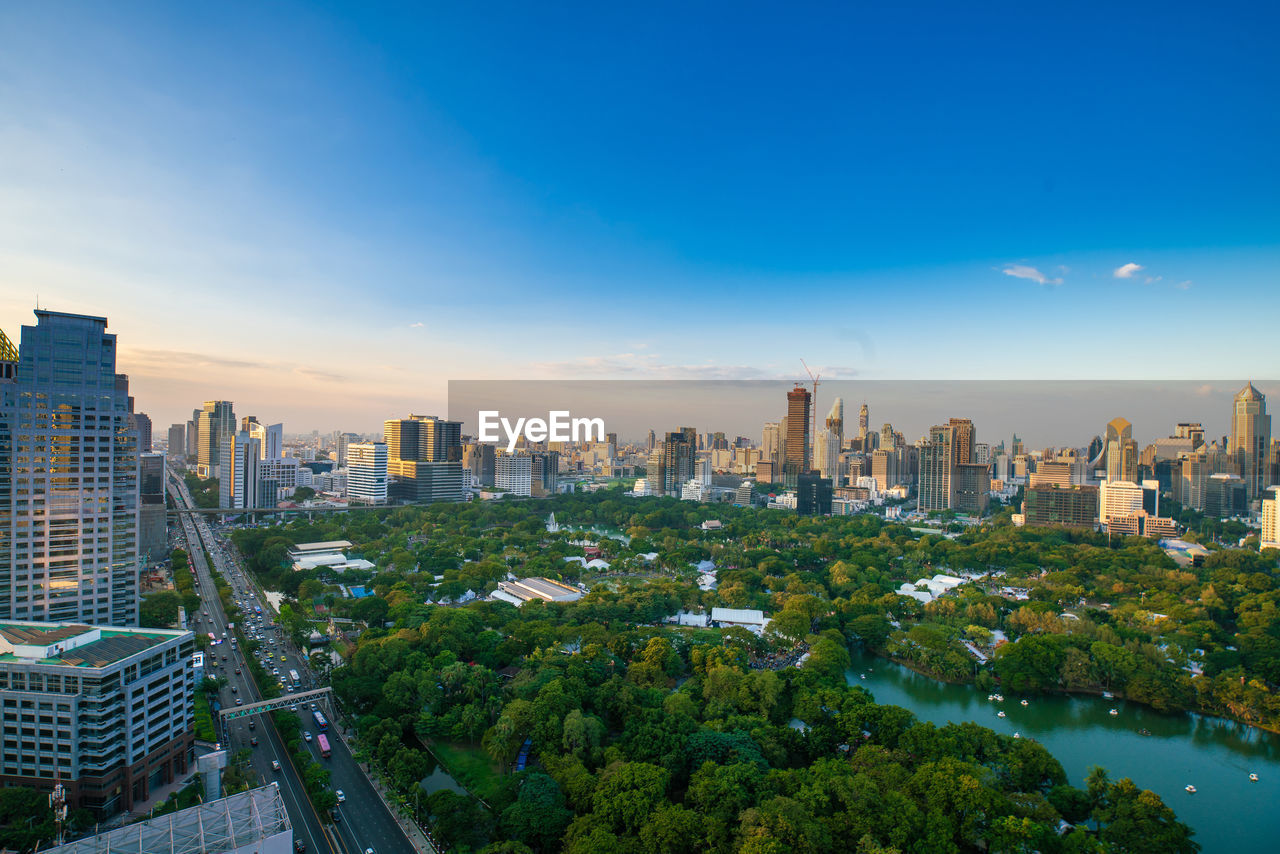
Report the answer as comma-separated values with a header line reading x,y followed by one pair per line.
x,y
1228,812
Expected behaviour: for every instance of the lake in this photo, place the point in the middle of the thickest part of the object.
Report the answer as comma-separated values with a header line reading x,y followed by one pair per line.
x,y
1229,813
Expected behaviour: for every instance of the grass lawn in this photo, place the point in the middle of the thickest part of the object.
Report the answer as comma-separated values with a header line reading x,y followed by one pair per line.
x,y
470,766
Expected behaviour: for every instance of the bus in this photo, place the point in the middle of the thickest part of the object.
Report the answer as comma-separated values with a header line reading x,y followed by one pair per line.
x,y
321,723
293,674
213,637
323,741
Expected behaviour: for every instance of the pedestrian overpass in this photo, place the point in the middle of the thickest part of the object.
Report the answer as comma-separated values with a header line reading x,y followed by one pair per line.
x,y
263,706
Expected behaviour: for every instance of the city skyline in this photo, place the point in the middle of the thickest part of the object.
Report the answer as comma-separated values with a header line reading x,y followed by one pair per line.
x,y
309,186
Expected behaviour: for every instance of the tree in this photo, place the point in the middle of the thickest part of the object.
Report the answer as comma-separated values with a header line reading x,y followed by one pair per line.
x,y
539,817
159,610
1138,821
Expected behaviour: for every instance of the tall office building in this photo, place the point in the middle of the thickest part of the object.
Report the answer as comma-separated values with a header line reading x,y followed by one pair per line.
x,y
68,476
343,442
177,441
835,422
367,472
1061,504
270,436
153,539
1270,534
514,472
1121,451
424,459
864,422
1250,439
141,422
478,459
962,441
108,712
826,454
771,444
934,488
238,471
217,421
193,435
796,451
651,441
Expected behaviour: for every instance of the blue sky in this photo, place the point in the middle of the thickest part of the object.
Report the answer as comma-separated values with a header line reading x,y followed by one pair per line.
x,y
327,211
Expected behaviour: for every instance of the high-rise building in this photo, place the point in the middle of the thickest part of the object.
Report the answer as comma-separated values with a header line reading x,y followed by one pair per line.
x,y
544,472
934,488
972,488
1225,495
796,452
238,471
1250,439
835,422
864,422
771,443
153,539
270,436
367,472
1270,533
826,454
344,440
478,458
177,441
424,459
142,423
1122,498
193,435
651,441
962,441
514,472
884,468
108,712
813,494
68,477
1121,451
1066,505
217,421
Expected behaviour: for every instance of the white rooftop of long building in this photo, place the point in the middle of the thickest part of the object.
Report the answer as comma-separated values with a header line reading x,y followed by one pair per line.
x,y
249,821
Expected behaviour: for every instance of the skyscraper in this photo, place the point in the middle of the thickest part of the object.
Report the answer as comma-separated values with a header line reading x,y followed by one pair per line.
x,y
424,459
771,444
934,488
796,453
367,472
177,441
864,422
238,471
1121,451
835,422
216,422
1250,439
68,477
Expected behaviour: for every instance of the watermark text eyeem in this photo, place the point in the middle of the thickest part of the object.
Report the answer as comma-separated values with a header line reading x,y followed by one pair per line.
x,y
559,426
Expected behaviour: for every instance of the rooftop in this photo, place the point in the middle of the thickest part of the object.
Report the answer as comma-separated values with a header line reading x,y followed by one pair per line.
x,y
330,546
237,822
76,645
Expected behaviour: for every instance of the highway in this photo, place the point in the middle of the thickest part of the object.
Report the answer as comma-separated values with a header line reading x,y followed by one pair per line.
x,y
358,825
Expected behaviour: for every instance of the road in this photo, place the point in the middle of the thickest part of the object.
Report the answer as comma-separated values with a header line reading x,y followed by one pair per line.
x,y
359,824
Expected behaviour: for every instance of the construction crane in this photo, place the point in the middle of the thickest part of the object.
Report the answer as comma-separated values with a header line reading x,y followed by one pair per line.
x,y
813,404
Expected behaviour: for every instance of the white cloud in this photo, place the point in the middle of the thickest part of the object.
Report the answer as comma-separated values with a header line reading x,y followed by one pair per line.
x,y
417,325
1151,280
1184,286
1126,271
1022,271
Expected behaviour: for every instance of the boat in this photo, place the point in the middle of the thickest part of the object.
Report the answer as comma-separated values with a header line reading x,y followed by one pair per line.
x,y
1025,703
1107,695
1000,714
1017,735
1191,790
1144,731
1253,778
999,697
1113,712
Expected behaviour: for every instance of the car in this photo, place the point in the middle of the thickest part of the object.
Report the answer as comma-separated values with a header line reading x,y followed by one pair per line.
x,y
282,658
337,816
254,741
237,671
252,724
224,658
275,764
239,702
299,846
235,690
342,799
306,735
